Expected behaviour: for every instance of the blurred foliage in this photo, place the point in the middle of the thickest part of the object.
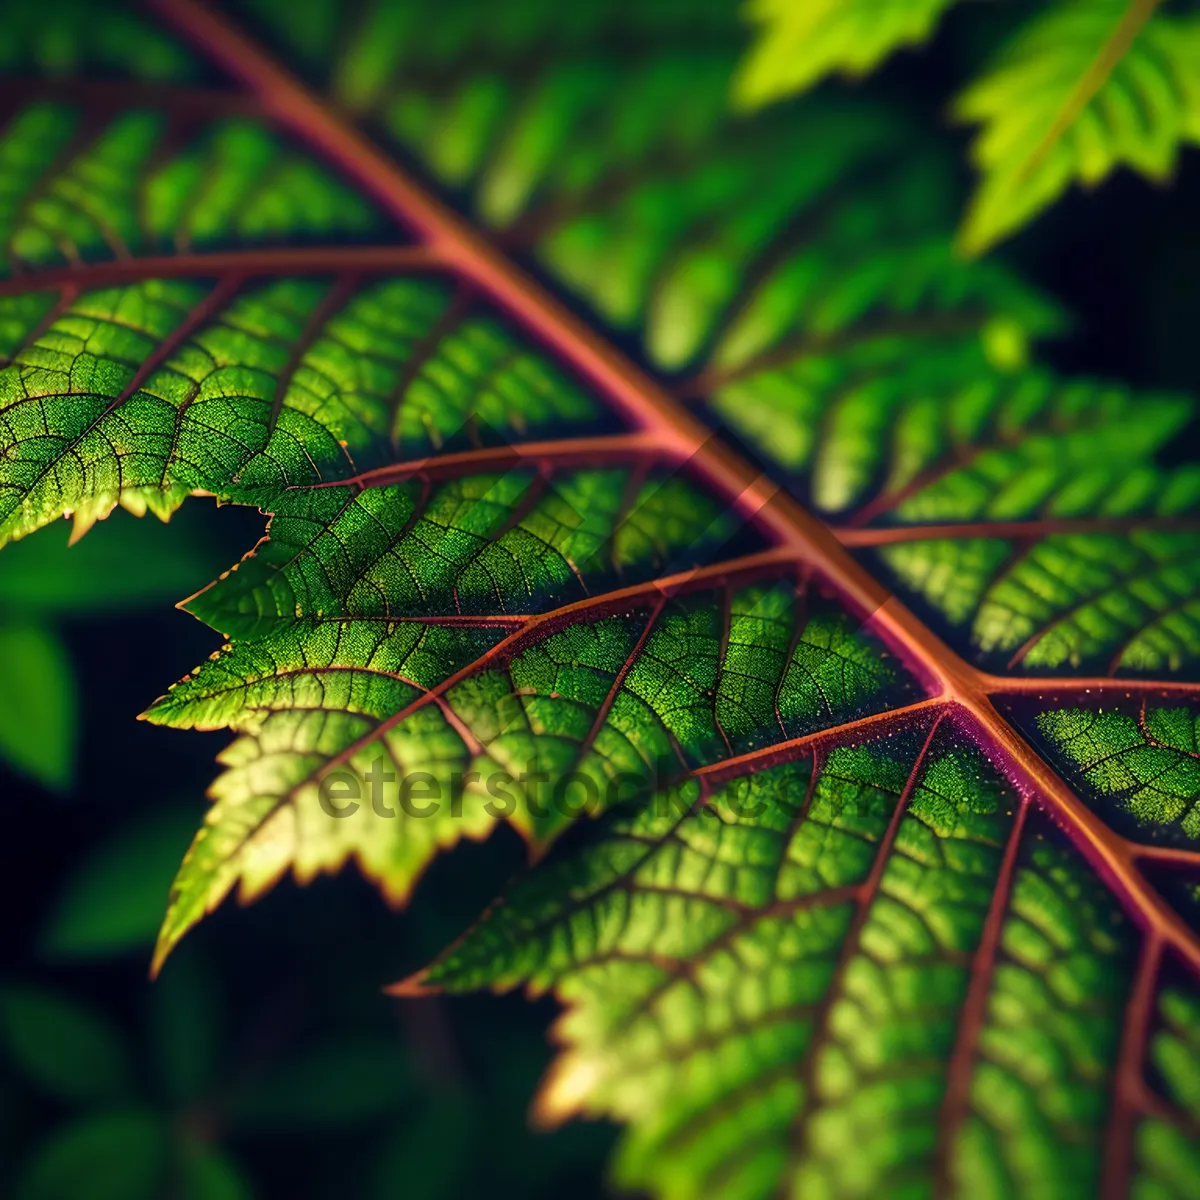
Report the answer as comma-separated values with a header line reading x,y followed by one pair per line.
x,y
37,703
1079,88
125,566
799,44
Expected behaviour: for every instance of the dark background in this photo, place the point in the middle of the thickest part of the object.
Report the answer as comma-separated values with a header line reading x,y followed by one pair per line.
x,y
268,1036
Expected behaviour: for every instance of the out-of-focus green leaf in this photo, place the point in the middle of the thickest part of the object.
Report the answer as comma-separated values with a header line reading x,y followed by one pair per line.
x,y
110,1156
801,41
64,1049
63,37
333,1085
123,565
208,1173
185,1030
1140,765
38,718
713,239
113,900
1086,87
430,1154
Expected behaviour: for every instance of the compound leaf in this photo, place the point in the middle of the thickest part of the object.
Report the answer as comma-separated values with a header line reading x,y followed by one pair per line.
x,y
814,935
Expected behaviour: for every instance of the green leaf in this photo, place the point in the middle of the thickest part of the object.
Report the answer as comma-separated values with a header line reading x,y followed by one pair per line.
x,y
1049,1045
1028,511
270,393
502,543
799,44
38,717
1087,86
113,900
783,965
509,544
1143,765
110,1156
63,1048
338,720
1167,1155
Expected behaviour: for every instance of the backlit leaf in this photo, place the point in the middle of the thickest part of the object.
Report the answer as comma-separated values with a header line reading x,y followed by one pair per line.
x,y
369,700
1144,763
1085,87
815,935
800,43
784,964
290,383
